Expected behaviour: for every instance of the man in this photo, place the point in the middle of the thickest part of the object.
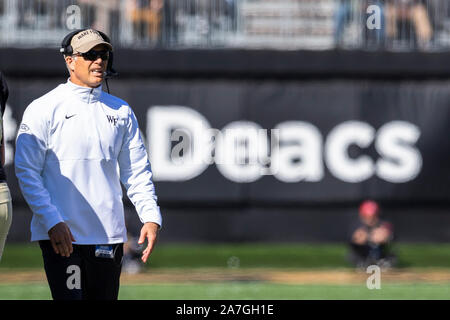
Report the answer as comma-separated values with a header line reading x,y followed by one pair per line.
x,y
409,21
5,197
370,241
74,147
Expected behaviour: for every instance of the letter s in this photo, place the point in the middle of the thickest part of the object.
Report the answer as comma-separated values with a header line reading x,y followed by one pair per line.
x,y
400,161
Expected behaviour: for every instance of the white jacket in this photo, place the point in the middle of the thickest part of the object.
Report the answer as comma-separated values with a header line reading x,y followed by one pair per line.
x,y
74,146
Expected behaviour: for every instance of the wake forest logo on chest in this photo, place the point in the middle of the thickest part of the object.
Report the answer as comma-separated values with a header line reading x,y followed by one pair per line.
x,y
112,119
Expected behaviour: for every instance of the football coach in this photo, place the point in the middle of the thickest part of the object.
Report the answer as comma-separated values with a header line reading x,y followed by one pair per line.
x,y
75,145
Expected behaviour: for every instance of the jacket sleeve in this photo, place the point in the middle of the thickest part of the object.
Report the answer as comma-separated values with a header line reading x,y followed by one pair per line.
x,y
3,93
31,146
136,174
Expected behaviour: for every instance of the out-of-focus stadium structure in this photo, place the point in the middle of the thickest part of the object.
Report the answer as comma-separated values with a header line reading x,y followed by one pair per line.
x,y
281,24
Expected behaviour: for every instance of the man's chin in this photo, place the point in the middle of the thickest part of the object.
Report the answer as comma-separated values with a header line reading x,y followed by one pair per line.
x,y
96,82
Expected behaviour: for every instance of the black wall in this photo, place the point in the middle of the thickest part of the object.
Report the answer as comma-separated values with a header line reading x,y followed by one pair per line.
x,y
321,89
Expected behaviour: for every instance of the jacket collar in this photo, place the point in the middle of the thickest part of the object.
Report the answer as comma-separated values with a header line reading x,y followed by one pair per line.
x,y
88,95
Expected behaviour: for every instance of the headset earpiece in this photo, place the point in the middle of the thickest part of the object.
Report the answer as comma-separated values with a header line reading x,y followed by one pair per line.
x,y
110,72
66,49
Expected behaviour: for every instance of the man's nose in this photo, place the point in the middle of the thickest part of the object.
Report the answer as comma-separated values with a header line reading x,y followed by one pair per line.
x,y
100,62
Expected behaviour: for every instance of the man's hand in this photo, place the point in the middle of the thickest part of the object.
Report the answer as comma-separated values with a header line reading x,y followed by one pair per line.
x,y
61,239
380,235
150,232
360,236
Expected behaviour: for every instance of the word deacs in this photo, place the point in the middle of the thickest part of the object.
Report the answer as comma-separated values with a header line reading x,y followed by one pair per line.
x,y
183,145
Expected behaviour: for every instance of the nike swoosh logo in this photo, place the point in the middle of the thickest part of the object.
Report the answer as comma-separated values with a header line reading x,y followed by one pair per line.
x,y
68,117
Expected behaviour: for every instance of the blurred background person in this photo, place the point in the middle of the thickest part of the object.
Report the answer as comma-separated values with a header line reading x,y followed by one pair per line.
x,y
342,16
408,22
146,16
351,12
370,242
102,15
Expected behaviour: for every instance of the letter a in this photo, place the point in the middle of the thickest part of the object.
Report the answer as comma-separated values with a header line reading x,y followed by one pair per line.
x,y
374,20
374,281
74,280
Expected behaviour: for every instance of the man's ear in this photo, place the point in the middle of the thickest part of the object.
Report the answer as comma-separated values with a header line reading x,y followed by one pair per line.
x,y
70,61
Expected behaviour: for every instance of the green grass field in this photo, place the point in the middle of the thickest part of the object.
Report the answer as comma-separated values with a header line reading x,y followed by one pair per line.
x,y
321,256
256,258
248,291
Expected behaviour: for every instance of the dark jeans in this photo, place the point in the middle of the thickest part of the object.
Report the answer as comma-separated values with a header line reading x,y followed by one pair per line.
x,y
368,253
82,276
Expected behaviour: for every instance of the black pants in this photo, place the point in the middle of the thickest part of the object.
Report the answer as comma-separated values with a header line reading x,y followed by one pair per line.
x,y
365,252
82,276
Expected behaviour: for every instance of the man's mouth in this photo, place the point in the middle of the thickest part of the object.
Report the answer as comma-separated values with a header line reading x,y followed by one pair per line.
x,y
97,72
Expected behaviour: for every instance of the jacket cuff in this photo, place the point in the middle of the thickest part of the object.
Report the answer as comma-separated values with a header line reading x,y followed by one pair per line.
x,y
52,221
153,215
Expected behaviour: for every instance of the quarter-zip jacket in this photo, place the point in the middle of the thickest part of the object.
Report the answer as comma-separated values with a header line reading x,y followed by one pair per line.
x,y
74,147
